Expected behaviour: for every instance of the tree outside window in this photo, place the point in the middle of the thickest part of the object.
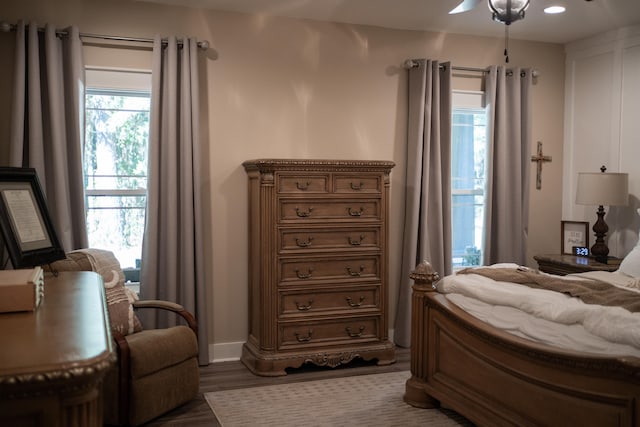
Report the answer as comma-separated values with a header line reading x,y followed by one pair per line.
x,y
115,171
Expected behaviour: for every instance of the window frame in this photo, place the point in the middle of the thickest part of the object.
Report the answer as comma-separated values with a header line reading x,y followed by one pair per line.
x,y
118,82
473,102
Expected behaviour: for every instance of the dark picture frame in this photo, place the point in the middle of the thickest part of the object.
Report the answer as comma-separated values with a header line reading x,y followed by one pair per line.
x,y
26,226
573,233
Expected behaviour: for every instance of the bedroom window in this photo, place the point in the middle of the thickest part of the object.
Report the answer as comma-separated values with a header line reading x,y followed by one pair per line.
x,y
468,159
115,164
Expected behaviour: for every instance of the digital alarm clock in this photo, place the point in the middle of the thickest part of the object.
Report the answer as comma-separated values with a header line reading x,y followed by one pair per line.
x,y
580,251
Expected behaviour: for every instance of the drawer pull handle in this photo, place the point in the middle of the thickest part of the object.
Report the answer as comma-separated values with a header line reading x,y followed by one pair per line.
x,y
356,187
356,213
355,273
304,186
304,307
356,242
304,339
302,275
303,244
355,335
355,304
303,214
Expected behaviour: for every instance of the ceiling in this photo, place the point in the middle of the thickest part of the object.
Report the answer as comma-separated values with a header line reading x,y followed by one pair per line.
x,y
582,18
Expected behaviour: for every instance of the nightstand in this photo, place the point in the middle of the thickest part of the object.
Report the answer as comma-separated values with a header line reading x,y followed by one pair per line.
x,y
567,264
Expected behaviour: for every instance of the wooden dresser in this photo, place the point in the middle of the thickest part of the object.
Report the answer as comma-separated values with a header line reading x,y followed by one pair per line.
x,y
53,359
318,263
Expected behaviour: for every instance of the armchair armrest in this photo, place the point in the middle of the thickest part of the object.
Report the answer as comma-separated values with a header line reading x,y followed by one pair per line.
x,y
124,352
171,306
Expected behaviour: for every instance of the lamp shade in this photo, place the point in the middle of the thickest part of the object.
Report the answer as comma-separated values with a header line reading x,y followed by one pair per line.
x,y
508,11
605,189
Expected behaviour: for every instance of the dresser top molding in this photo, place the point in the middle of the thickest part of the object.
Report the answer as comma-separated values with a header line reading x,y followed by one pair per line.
x,y
271,165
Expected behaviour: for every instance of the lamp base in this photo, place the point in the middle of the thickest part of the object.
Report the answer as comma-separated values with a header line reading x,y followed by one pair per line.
x,y
602,260
599,250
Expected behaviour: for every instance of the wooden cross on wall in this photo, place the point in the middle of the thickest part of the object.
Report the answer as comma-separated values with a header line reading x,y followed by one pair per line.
x,y
540,158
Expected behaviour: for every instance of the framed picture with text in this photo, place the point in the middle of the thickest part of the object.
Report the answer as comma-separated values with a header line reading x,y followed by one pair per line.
x,y
574,234
26,227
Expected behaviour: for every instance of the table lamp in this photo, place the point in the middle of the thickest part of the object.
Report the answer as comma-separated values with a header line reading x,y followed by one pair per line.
x,y
602,189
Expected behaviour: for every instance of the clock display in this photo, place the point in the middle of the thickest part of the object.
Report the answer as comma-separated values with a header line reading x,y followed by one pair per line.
x,y
580,251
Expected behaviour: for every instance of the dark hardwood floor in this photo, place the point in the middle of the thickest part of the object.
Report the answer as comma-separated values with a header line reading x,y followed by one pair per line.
x,y
233,375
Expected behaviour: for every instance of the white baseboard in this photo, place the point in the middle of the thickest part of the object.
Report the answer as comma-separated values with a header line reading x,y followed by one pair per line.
x,y
230,351
225,352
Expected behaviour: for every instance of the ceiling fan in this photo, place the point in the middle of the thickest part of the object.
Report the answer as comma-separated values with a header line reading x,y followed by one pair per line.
x,y
506,11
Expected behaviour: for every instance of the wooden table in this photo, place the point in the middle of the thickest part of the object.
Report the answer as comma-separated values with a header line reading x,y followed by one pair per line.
x,y
53,359
567,264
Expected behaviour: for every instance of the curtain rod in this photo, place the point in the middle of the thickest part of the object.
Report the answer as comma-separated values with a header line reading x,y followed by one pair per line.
x,y
411,63
5,27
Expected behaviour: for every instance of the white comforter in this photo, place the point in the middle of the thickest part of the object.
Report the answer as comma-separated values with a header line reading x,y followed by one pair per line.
x,y
547,316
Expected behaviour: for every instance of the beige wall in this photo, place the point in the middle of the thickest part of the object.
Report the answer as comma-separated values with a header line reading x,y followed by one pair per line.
x,y
275,87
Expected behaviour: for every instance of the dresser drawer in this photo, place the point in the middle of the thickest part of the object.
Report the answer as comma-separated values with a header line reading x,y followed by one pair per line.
x,y
302,183
345,268
328,332
329,301
357,184
329,239
310,210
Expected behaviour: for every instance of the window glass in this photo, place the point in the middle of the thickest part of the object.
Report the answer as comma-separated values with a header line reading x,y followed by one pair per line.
x,y
115,169
468,161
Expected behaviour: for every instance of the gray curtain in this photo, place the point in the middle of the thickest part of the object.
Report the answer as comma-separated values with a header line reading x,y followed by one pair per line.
x,y
172,251
47,123
508,95
427,223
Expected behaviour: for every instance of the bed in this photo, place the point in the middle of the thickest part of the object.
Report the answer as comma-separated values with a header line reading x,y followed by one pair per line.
x,y
498,378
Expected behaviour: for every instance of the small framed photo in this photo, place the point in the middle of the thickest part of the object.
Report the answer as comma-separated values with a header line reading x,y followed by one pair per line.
x,y
26,227
574,234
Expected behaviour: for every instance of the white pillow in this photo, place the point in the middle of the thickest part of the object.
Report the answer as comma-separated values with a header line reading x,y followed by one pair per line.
x,y
630,265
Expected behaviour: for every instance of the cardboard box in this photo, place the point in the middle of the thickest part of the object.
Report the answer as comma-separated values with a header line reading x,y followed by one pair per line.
x,y
21,290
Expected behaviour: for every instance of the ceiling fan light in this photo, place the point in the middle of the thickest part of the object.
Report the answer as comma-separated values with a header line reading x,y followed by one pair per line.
x,y
508,11
554,9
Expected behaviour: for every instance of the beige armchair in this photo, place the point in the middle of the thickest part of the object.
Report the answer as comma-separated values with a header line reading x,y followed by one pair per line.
x,y
157,369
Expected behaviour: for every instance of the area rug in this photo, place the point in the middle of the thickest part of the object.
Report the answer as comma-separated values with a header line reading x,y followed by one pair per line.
x,y
363,400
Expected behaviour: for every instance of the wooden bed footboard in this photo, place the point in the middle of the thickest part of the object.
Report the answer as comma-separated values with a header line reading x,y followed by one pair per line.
x,y
497,379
